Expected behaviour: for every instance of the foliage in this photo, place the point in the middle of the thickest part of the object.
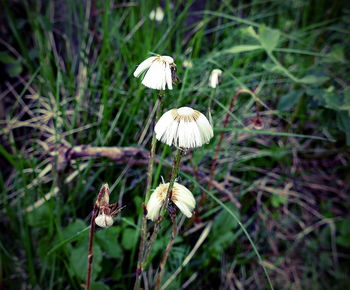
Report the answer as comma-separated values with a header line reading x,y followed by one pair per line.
x,y
67,79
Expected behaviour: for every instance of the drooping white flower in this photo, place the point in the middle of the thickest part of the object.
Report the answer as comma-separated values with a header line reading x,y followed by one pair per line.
x,y
184,128
157,14
215,78
180,196
104,221
159,73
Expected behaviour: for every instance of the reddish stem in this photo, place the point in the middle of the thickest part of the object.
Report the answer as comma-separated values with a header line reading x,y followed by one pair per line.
x,y
222,134
101,199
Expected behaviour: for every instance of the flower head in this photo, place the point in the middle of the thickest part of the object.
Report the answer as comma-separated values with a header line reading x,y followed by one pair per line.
x,y
160,72
215,78
184,128
104,221
180,196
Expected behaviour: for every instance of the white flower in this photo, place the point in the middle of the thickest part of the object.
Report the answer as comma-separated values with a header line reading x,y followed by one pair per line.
x,y
184,128
157,14
215,78
181,196
104,221
159,72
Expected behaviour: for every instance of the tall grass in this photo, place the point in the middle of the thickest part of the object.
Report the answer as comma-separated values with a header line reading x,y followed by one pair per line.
x,y
67,79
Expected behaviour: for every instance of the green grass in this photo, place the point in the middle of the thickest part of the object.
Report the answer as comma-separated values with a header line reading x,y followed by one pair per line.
x,y
67,79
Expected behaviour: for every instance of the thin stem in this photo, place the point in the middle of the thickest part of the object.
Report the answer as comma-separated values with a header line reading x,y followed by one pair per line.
x,y
153,150
148,192
166,253
174,174
218,146
102,200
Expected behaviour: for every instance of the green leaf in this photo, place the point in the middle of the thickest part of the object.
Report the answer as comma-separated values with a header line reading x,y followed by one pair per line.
x,y
242,48
78,260
40,216
108,240
7,58
344,228
314,79
73,228
99,286
288,101
343,120
14,69
222,235
129,238
277,200
250,31
268,37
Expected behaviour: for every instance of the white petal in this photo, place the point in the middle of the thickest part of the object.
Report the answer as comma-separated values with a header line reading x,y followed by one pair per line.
x,y
188,134
153,206
205,128
169,80
155,78
162,126
167,59
183,199
214,78
143,66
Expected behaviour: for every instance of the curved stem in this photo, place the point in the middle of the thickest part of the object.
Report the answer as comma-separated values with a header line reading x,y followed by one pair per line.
x,y
222,134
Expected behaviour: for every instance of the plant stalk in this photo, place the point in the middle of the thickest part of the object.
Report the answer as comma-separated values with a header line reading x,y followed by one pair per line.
x,y
91,244
148,192
166,252
174,173
222,134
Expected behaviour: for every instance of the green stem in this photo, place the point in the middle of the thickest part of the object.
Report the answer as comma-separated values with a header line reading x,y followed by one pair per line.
x,y
174,174
148,193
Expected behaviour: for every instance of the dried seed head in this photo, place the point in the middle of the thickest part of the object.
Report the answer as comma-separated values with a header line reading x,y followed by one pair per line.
x,y
104,221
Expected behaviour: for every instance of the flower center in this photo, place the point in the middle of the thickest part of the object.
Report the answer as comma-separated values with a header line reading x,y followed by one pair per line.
x,y
185,114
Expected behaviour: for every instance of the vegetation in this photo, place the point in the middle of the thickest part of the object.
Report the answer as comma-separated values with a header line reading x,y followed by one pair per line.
x,y
281,191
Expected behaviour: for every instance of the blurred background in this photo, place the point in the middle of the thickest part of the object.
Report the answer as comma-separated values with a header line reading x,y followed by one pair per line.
x,y
66,80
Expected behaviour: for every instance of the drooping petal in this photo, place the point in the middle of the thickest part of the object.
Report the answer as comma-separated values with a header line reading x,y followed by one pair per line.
x,y
169,80
154,204
144,65
183,199
184,128
206,130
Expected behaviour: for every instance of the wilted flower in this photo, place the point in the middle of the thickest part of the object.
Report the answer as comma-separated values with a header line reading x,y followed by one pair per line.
x,y
104,221
180,196
157,14
184,128
215,78
105,211
160,72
